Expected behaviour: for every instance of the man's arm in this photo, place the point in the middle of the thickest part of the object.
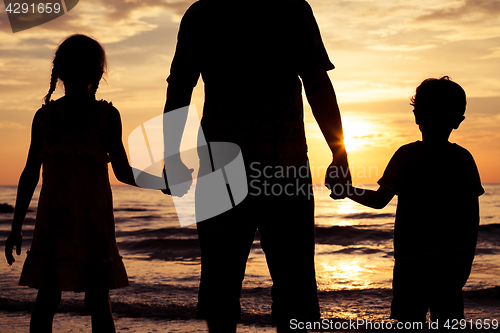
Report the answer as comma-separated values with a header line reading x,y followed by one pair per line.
x,y
323,101
178,96
321,96
374,199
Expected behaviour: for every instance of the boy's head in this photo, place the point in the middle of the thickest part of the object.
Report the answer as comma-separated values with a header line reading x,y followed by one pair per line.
x,y
439,104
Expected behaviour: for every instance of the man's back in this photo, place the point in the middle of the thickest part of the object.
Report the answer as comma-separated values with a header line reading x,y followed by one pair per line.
x,y
250,55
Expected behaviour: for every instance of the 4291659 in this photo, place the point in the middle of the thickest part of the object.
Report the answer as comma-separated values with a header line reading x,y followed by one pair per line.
x,y
484,324
40,8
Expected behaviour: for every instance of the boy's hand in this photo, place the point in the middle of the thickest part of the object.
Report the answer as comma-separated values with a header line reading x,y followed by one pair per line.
x,y
14,239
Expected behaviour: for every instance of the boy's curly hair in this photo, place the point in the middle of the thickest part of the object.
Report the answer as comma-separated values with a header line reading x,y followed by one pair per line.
x,y
439,99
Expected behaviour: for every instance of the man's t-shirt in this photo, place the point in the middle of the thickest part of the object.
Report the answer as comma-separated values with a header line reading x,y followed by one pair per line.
x,y
437,186
250,55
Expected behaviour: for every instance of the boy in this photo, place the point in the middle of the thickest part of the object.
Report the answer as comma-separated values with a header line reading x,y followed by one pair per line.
x,y
437,218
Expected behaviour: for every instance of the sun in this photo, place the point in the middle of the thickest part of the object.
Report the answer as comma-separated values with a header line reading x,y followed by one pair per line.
x,y
356,133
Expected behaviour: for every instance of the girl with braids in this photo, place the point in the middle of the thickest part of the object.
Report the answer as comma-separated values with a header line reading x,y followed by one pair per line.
x,y
74,246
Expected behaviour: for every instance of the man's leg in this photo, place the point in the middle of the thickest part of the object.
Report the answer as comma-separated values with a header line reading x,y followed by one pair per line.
x,y
225,243
287,238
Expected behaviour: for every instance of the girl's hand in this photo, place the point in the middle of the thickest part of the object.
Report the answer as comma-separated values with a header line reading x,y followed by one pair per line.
x,y
14,239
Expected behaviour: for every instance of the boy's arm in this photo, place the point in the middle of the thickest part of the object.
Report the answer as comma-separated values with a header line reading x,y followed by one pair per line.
x,y
470,234
27,184
323,101
374,199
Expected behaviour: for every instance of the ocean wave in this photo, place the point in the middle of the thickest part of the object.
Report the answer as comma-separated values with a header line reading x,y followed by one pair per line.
x,y
131,209
27,237
486,251
360,216
147,217
349,235
175,232
8,221
490,234
359,250
164,249
492,227
170,303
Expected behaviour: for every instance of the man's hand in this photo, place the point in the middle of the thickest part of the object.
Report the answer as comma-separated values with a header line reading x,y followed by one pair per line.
x,y
179,178
14,239
338,175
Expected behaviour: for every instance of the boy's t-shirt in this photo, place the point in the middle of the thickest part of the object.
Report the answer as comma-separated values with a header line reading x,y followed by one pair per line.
x,y
437,188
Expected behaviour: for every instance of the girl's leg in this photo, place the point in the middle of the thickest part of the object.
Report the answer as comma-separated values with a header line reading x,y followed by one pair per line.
x,y
99,305
46,305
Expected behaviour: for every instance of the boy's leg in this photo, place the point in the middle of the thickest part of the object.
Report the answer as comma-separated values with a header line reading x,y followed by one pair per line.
x,y
99,305
447,301
46,305
410,295
447,307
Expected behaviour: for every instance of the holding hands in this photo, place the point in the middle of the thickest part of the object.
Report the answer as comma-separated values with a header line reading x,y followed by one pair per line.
x,y
338,175
179,179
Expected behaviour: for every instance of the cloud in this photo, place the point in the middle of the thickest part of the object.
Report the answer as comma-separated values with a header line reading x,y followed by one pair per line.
x,y
402,47
11,125
122,9
470,10
494,54
385,25
112,21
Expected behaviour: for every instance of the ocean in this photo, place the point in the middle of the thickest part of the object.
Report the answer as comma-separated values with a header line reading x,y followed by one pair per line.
x,y
354,261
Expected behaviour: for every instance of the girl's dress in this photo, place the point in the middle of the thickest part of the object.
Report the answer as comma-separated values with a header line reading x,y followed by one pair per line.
x,y
74,246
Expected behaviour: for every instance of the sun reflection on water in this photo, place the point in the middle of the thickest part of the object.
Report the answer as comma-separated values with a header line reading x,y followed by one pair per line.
x,y
345,274
347,207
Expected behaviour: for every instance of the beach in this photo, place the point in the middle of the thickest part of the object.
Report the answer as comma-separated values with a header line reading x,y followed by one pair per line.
x,y
354,260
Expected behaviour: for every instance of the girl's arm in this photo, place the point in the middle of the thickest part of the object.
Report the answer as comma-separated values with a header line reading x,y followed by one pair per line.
x,y
374,199
119,161
27,184
117,155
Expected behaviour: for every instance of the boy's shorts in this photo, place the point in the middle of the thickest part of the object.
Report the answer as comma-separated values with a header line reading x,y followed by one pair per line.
x,y
431,282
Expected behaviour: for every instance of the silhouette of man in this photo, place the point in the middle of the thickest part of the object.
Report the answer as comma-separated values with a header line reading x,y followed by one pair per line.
x,y
250,55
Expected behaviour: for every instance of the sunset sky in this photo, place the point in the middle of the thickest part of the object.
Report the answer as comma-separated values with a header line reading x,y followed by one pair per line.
x,y
382,50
